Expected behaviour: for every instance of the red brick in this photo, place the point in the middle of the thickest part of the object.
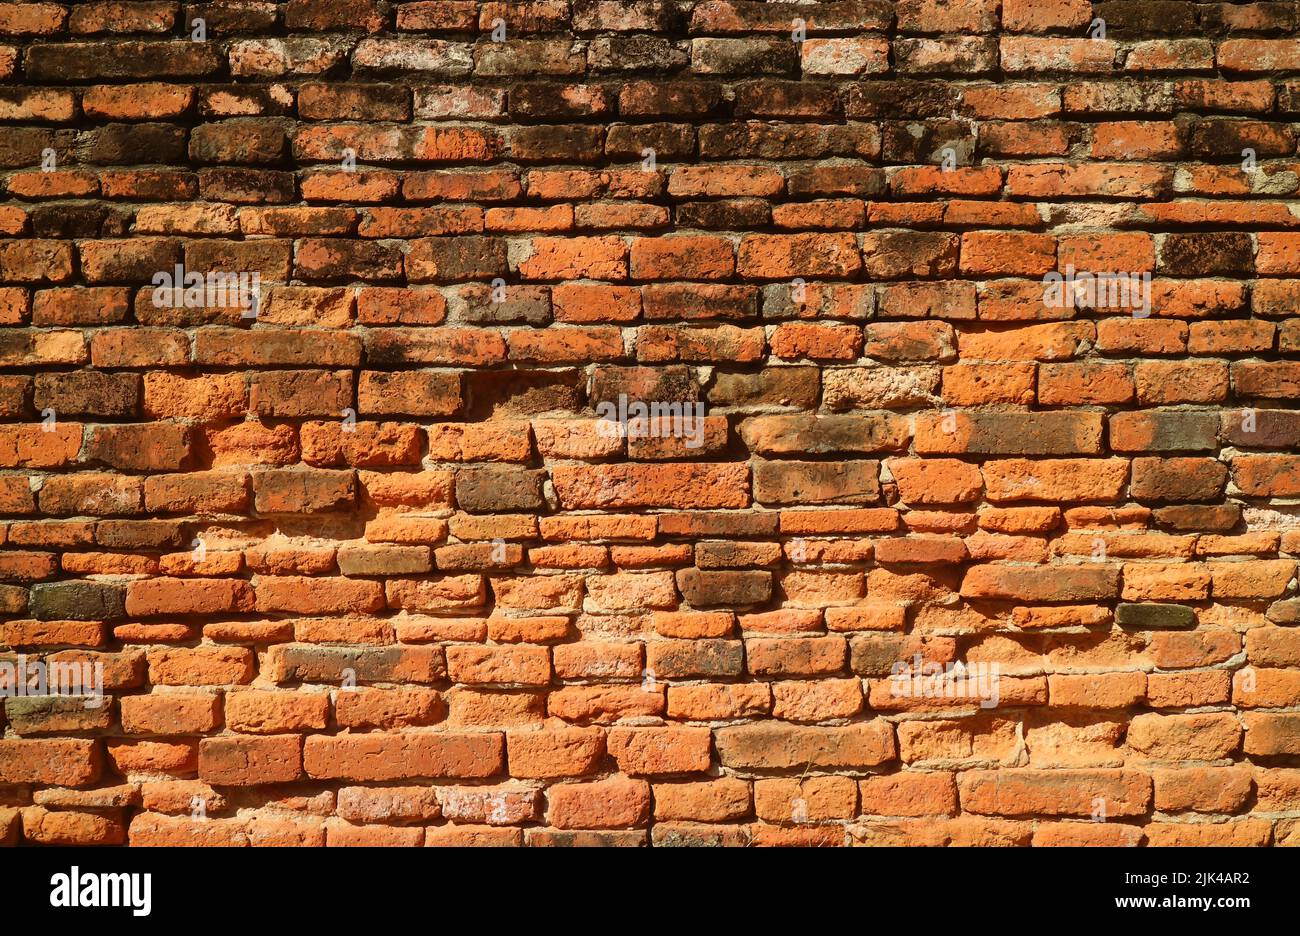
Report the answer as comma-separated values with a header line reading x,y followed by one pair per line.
x,y
402,756
615,803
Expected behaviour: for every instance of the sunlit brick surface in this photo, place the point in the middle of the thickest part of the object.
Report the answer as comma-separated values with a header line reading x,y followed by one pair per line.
x,y
649,422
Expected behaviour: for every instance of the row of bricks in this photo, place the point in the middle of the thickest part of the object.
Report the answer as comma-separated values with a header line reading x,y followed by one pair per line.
x,y
1004,534
282,394
884,251
558,683
881,255
694,645
1161,566
567,56
859,748
576,540
469,338
1119,140
247,142
792,640
801,679
1164,566
986,124
1195,381
745,187
1089,581
1170,790
947,102
1225,192
65,827
914,150
156,732
1130,181
828,699
712,17
806,589
959,315
778,479
916,483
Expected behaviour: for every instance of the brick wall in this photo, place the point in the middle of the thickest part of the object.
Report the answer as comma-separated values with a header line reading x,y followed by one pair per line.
x,y
933,534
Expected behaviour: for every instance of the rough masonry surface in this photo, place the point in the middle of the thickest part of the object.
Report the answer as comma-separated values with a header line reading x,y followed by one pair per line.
x,y
649,422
